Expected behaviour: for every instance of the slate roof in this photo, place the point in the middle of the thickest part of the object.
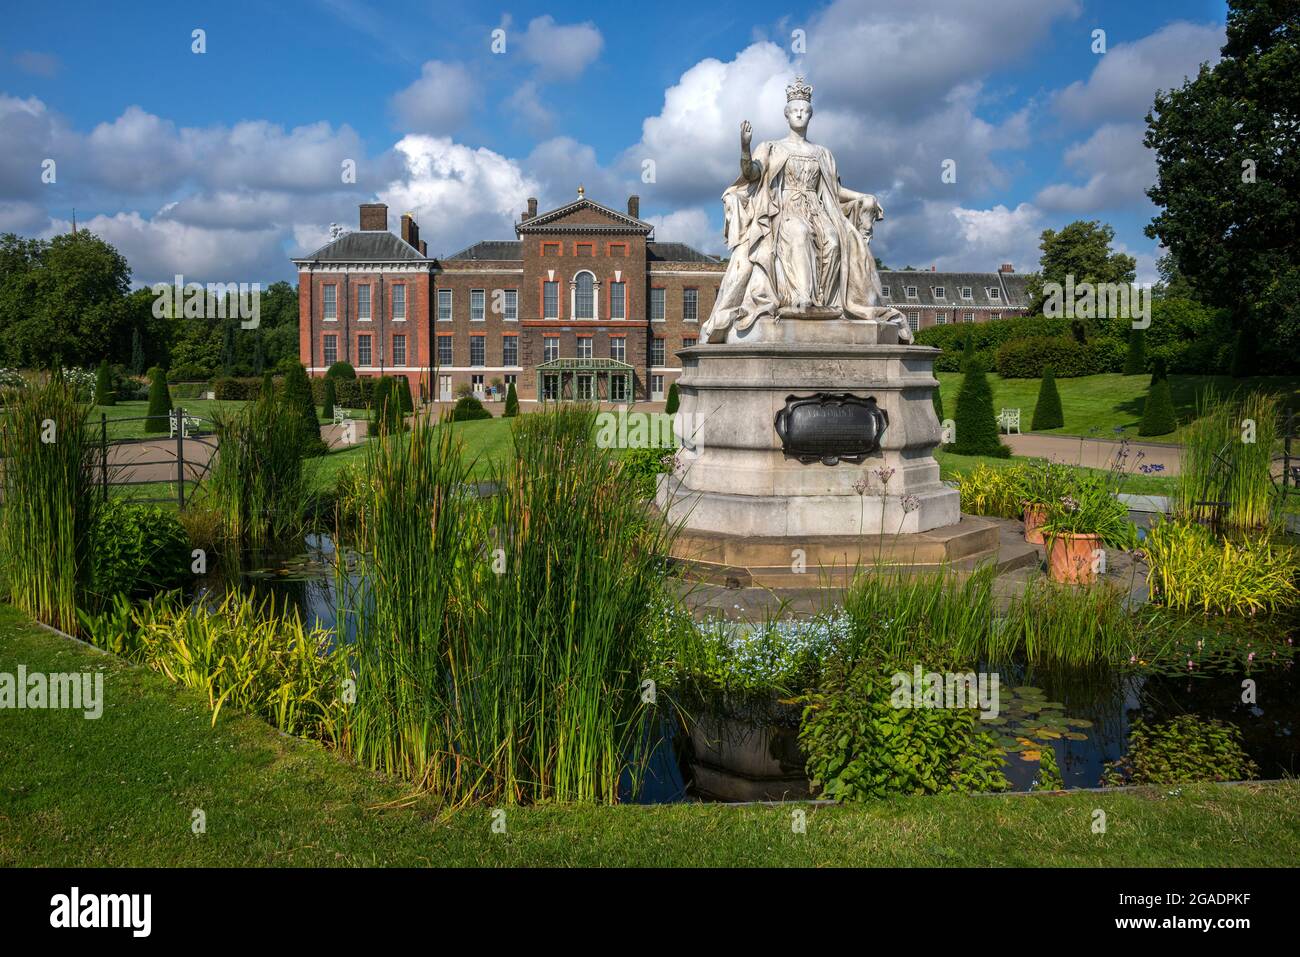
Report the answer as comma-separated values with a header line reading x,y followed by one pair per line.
x,y
490,249
367,245
676,253
988,289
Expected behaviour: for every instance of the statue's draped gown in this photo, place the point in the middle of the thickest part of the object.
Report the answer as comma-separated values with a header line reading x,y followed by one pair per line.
x,y
794,244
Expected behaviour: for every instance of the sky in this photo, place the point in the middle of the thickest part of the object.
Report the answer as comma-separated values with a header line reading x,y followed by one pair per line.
x,y
223,164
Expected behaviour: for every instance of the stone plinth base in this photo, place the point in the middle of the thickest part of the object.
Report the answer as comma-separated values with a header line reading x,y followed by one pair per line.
x,y
742,560
734,475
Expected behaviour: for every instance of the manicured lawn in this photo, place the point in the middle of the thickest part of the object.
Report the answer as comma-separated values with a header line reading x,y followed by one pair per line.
x,y
121,791
486,443
1106,402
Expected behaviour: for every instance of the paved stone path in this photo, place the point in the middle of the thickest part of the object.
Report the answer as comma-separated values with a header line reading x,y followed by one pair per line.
x,y
1094,453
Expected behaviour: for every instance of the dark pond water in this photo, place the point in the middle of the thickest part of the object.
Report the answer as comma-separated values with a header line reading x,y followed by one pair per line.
x,y
1086,713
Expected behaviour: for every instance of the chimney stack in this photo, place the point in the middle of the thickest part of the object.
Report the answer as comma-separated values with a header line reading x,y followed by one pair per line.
x,y
374,217
531,212
410,231
424,249
634,207
1007,267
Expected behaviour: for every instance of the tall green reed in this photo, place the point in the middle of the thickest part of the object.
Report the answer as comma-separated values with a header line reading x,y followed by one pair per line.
x,y
48,501
258,487
500,640
1227,457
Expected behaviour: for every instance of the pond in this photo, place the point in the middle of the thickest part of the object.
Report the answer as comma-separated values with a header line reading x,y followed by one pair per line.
x,y
1084,713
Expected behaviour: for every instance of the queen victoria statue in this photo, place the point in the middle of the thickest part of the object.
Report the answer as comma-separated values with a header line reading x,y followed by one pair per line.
x,y
799,240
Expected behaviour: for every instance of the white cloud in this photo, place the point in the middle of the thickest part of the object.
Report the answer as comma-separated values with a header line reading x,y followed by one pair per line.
x,y
439,101
559,51
689,226
1118,169
526,103
1124,82
459,194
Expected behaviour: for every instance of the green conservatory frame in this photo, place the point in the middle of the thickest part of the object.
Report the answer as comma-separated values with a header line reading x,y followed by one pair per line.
x,y
570,372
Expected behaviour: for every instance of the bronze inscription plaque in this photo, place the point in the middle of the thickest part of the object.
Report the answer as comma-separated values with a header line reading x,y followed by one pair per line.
x,y
828,427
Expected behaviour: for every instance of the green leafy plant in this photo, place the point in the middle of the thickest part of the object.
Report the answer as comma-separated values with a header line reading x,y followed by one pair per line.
x,y
138,550
859,746
1183,750
1226,461
1049,772
673,402
104,394
331,398
1090,508
341,370
1135,362
1192,569
467,409
512,402
296,399
986,490
645,466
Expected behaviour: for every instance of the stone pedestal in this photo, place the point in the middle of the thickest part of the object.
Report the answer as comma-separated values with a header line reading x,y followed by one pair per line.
x,y
735,479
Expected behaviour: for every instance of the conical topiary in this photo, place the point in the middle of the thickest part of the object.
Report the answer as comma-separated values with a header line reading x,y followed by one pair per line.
x,y
937,400
403,386
104,394
268,387
1158,416
968,351
160,402
1047,410
976,425
1135,363
330,399
386,406
296,396
512,402
673,402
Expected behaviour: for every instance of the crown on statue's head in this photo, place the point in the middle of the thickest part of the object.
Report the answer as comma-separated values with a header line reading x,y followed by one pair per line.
x,y
798,90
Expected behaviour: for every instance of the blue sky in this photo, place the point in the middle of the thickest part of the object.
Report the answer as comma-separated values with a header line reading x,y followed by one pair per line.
x,y
221,165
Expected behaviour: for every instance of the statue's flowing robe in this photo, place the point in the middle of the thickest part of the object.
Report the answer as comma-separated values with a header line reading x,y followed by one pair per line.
x,y
751,286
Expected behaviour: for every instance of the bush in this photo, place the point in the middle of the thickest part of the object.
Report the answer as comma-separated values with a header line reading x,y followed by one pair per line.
x,y
1135,363
860,746
243,389
1158,415
1068,358
646,465
977,426
512,402
468,409
137,550
297,398
104,393
992,491
329,400
403,386
386,406
160,403
1184,750
1047,410
987,336
341,370
674,401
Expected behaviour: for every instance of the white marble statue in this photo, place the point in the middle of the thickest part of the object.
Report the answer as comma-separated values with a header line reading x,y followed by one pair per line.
x,y
799,240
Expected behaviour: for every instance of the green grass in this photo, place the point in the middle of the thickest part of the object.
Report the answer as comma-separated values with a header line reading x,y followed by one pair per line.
x,y
205,409
120,792
1104,402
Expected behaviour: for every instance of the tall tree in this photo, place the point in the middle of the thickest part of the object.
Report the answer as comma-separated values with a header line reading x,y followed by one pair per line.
x,y
1227,148
1080,251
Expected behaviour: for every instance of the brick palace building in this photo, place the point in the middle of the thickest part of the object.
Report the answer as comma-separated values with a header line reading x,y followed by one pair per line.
x,y
583,303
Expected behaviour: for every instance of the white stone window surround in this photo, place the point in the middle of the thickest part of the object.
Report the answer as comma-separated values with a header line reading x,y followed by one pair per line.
x,y
595,296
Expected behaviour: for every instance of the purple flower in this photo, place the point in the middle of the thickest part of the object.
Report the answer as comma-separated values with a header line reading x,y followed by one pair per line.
x,y
861,485
1151,467
884,474
1071,504
910,503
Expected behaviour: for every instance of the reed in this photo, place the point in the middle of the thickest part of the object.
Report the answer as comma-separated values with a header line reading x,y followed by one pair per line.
x,y
1226,458
258,487
48,502
1070,625
500,640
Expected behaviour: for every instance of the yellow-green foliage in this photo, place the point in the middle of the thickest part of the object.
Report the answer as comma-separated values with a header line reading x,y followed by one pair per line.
x,y
990,491
1192,569
248,655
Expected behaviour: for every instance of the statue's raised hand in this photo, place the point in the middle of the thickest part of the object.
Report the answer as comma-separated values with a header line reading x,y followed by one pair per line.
x,y
746,134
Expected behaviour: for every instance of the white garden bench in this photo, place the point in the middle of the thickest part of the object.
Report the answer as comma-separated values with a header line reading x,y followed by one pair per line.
x,y
341,416
188,426
1009,419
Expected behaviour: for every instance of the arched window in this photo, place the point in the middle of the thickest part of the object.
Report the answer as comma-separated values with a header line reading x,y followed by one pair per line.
x,y
584,296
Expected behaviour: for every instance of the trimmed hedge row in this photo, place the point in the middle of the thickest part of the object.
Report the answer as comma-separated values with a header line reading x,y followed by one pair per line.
x,y
1067,358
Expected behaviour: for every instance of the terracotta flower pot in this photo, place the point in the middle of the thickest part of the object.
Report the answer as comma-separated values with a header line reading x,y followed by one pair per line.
x,y
1035,515
1070,558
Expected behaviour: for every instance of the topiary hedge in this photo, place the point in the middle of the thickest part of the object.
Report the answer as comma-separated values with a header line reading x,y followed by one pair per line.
x,y
230,388
1067,358
468,409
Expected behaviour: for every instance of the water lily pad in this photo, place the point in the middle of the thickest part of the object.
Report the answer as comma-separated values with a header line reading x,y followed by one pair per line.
x,y
1050,735
1079,722
1075,736
1031,755
1054,705
995,721
1033,707
1026,690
